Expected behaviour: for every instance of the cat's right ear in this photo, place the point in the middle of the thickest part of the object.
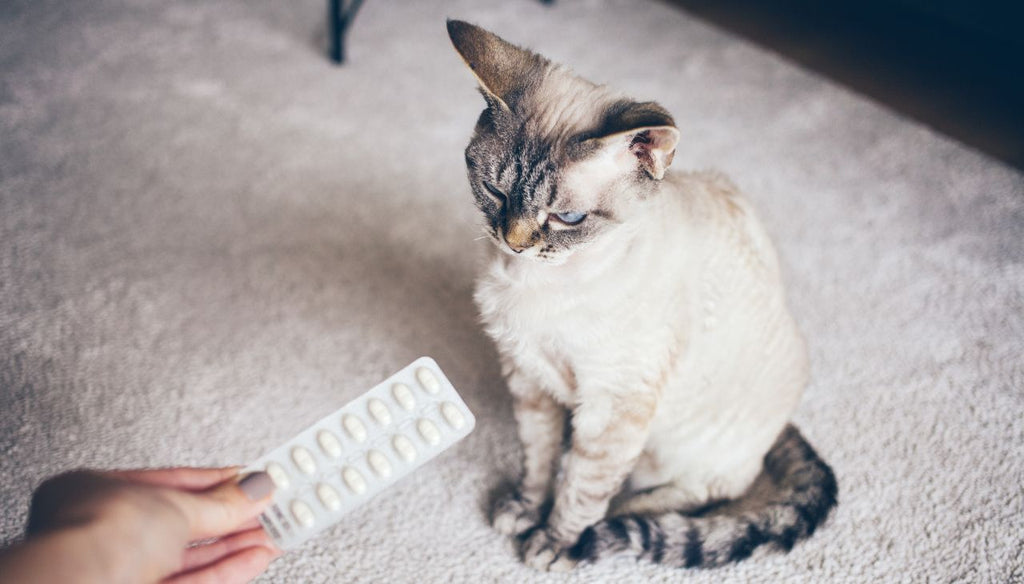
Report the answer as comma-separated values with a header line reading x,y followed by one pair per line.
x,y
501,68
638,134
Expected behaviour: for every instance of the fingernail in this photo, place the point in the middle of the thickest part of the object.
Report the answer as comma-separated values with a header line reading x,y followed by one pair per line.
x,y
256,485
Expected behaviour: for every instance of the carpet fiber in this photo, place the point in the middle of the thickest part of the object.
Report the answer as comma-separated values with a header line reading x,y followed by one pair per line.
x,y
210,237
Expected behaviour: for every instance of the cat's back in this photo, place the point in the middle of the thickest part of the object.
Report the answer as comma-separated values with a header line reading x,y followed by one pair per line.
x,y
736,299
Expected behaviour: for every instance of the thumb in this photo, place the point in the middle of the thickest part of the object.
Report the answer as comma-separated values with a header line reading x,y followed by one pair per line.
x,y
222,509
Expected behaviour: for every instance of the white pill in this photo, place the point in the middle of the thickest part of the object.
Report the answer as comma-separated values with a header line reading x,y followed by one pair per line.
x,y
379,411
404,448
304,460
328,496
354,479
428,380
278,475
329,443
379,463
403,395
302,513
452,415
429,431
354,427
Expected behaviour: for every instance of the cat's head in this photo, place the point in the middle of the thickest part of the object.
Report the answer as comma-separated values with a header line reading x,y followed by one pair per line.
x,y
556,162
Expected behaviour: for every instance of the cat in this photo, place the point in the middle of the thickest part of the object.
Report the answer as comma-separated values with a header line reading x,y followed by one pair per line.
x,y
645,310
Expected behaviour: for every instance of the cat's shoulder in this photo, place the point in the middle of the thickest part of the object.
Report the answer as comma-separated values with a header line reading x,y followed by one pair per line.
x,y
712,182
711,190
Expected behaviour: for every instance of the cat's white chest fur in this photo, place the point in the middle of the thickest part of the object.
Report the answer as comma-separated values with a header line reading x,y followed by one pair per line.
x,y
682,301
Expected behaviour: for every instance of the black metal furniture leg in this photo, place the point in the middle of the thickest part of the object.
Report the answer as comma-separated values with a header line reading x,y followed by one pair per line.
x,y
339,18
335,31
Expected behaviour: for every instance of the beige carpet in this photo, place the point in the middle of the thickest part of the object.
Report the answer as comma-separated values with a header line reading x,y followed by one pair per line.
x,y
210,237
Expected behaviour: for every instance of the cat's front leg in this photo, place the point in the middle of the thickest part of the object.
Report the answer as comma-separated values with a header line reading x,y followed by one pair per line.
x,y
609,432
540,421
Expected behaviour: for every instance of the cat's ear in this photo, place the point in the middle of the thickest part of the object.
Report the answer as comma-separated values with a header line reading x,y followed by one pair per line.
x,y
654,147
639,133
502,68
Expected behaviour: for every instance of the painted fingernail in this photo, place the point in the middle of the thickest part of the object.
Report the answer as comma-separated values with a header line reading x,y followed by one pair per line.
x,y
256,485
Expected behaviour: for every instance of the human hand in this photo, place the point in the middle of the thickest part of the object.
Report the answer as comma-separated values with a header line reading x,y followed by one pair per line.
x,y
177,525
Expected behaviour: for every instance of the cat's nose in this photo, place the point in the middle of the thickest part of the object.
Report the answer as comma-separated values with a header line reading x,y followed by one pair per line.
x,y
520,235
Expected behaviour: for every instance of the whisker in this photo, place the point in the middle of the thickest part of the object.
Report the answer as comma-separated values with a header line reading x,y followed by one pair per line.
x,y
487,234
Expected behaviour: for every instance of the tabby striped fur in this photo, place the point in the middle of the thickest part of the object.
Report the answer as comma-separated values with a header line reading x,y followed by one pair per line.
x,y
797,493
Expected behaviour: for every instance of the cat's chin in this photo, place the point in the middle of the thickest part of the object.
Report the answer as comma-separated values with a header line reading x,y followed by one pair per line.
x,y
544,260
552,261
532,256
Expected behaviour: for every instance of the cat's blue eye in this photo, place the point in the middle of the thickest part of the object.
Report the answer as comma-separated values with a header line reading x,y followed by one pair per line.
x,y
571,218
494,192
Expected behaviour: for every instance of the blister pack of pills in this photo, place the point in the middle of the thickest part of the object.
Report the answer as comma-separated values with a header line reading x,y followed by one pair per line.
x,y
346,458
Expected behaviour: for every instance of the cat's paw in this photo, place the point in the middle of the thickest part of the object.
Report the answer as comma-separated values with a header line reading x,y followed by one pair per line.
x,y
512,515
543,551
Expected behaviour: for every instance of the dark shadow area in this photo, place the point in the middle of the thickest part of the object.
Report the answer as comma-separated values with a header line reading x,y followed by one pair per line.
x,y
952,65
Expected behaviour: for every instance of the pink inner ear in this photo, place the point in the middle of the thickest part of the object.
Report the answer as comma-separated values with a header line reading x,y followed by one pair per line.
x,y
640,140
641,146
654,148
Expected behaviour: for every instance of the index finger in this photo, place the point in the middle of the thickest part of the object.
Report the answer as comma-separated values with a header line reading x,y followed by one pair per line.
x,y
185,478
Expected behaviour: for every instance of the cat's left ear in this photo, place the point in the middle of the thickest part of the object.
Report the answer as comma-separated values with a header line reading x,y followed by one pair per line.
x,y
641,133
503,69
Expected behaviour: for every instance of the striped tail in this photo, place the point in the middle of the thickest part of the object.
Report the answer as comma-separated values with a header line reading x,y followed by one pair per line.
x,y
789,500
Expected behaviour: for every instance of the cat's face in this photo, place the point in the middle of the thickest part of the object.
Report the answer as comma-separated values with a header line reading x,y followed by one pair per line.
x,y
536,202
556,162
